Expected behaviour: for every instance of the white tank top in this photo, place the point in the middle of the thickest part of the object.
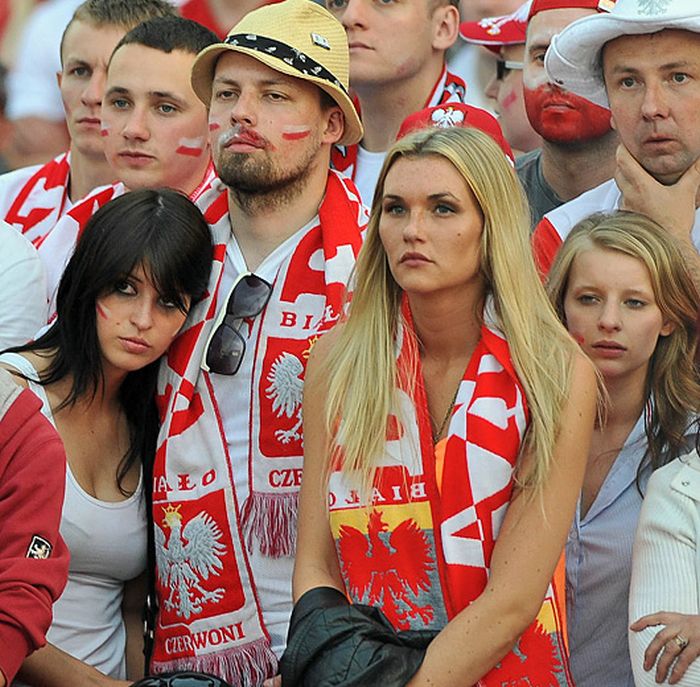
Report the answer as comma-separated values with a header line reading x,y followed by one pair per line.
x,y
107,543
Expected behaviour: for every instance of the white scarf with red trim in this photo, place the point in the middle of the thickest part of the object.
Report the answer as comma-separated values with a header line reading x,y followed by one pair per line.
x,y
423,554
34,198
449,88
209,617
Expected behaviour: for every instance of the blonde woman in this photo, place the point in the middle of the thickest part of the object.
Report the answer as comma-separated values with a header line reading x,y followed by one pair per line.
x,y
444,449
622,288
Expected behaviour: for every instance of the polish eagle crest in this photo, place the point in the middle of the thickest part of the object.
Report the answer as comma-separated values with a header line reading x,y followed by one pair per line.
x,y
189,556
285,392
391,569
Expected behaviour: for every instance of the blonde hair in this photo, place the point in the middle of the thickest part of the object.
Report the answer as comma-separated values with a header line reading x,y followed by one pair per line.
x,y
672,376
361,366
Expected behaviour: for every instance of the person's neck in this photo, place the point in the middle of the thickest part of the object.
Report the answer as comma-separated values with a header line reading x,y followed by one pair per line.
x,y
228,13
572,170
448,326
384,108
87,172
625,401
261,223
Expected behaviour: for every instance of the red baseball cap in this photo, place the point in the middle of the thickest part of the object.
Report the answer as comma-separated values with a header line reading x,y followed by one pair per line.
x,y
456,114
543,5
495,32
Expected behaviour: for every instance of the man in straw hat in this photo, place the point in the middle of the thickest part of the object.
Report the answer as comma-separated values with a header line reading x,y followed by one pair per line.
x,y
642,60
286,231
578,145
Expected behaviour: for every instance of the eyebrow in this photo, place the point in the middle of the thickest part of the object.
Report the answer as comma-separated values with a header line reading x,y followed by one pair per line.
x,y
681,64
432,196
230,81
160,95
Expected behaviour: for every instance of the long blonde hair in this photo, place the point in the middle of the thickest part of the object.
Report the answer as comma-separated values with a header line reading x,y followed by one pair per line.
x,y
672,376
361,367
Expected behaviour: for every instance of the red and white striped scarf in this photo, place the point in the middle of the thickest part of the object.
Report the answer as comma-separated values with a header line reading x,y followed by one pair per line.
x,y
209,617
423,551
38,202
449,88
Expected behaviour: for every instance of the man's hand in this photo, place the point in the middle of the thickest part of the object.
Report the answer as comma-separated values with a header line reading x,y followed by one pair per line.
x,y
673,207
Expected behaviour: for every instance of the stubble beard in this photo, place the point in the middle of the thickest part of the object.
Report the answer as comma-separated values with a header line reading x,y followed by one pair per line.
x,y
259,185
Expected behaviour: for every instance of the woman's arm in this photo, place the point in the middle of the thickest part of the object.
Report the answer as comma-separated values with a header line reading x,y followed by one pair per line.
x,y
316,562
665,581
132,610
528,547
51,667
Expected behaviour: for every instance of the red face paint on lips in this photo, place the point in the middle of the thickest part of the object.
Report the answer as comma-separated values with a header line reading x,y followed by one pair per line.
x,y
562,117
214,126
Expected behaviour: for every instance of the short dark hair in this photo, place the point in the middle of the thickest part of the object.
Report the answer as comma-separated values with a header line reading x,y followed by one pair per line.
x,y
170,33
123,14
160,230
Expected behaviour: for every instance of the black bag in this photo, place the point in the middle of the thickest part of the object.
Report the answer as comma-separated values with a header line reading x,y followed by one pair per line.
x,y
184,678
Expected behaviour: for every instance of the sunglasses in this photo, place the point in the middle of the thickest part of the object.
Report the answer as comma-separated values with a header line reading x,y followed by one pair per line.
x,y
225,348
182,679
504,66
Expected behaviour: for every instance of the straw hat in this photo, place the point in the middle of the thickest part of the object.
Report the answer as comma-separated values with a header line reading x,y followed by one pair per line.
x,y
573,60
298,38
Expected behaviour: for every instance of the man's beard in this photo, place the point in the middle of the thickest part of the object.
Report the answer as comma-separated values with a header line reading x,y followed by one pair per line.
x,y
259,184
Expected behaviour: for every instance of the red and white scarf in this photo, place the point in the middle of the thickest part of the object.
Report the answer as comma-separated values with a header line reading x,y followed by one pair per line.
x,y
423,552
449,88
35,198
210,618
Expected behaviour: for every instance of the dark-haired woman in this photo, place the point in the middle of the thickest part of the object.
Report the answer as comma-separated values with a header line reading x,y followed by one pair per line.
x,y
141,262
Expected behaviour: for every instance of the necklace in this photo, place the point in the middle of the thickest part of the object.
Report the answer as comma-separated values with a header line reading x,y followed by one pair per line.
x,y
448,414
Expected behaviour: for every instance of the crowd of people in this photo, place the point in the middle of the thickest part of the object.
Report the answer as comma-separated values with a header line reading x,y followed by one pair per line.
x,y
313,371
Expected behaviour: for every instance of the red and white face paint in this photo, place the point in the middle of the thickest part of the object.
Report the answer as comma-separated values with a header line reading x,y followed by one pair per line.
x,y
562,117
557,115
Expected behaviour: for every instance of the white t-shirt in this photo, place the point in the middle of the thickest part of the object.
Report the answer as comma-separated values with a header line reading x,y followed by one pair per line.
x,y
107,544
367,172
273,576
23,306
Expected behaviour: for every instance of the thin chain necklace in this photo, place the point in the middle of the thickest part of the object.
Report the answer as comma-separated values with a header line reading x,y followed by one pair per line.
x,y
448,414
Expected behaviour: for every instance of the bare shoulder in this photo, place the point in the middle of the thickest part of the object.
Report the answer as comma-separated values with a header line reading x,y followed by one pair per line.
x,y
321,348
38,360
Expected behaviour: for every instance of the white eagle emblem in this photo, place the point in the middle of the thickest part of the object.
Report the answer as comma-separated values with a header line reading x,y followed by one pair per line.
x,y
447,117
188,556
285,392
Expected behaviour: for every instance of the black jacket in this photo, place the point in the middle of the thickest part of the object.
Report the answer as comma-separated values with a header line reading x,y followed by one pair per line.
x,y
332,643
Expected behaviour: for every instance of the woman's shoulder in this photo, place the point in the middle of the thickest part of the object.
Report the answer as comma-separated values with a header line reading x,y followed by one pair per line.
x,y
679,477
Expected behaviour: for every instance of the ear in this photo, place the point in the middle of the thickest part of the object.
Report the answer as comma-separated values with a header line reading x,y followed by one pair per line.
x,y
445,22
59,79
613,126
667,328
335,125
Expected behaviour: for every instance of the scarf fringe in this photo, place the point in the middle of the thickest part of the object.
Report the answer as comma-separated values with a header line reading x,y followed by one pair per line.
x,y
270,523
246,666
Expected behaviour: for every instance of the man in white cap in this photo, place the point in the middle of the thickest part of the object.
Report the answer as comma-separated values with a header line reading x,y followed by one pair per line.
x,y
397,67
286,230
505,37
643,61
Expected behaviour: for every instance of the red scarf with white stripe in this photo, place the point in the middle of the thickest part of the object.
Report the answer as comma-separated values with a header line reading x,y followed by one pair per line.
x,y
422,552
210,618
39,204
449,88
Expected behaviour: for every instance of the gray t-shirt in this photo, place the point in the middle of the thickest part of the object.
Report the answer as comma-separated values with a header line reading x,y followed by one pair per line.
x,y
540,194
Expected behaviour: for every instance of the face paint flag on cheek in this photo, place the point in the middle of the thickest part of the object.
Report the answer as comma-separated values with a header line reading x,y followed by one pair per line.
x,y
295,133
191,147
562,117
